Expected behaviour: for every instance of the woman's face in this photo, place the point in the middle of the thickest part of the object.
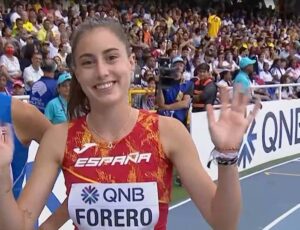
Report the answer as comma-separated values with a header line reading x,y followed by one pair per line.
x,y
229,57
140,33
64,89
8,32
266,67
57,60
103,67
221,57
197,62
283,64
62,27
185,36
294,64
151,85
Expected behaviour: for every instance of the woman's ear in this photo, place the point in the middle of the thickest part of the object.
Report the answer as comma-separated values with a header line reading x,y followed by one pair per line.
x,y
132,62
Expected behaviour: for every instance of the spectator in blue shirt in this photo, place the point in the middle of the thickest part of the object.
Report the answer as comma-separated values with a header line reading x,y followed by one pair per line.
x,y
56,109
175,100
44,90
243,77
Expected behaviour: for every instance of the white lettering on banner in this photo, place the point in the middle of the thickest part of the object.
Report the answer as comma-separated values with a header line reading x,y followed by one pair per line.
x,y
121,160
111,206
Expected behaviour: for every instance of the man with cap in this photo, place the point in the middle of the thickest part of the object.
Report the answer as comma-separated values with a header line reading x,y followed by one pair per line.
x,y
18,88
56,109
175,100
243,77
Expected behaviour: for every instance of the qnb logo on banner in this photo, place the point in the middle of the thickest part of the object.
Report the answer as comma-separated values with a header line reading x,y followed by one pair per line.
x,y
114,206
248,148
275,132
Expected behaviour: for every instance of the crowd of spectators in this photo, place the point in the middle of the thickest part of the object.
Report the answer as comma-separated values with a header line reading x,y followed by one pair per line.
x,y
35,46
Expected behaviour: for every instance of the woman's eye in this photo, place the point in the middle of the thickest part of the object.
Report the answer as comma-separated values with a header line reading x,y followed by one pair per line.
x,y
87,63
112,58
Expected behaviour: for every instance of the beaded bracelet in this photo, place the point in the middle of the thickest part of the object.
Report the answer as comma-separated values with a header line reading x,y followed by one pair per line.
x,y
229,158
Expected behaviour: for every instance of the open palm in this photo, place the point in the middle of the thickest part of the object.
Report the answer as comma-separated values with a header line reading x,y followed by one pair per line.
x,y
6,146
227,132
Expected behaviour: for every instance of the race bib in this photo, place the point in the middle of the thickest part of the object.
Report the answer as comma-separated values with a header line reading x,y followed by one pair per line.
x,y
114,206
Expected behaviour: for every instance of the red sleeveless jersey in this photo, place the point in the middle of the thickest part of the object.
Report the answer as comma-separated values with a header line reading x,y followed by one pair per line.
x,y
144,138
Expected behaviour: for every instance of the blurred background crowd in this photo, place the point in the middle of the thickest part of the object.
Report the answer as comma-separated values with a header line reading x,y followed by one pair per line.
x,y
210,45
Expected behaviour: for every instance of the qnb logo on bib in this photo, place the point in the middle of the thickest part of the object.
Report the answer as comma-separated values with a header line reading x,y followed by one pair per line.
x,y
114,206
90,195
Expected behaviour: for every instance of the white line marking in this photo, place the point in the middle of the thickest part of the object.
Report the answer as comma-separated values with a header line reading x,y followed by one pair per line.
x,y
241,178
280,218
179,204
274,166
281,174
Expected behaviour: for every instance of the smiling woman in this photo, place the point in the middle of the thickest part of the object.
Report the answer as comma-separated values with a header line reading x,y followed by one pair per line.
x,y
87,61
109,149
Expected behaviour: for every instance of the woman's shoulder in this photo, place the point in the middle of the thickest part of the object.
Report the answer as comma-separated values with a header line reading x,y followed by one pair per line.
x,y
54,141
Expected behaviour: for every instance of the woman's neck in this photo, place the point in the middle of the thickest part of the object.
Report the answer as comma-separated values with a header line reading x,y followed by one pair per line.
x,y
112,123
107,111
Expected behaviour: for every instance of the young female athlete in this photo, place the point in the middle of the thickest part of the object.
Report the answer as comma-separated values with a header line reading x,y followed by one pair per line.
x,y
117,161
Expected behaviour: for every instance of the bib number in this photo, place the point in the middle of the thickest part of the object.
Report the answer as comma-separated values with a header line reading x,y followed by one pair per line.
x,y
114,206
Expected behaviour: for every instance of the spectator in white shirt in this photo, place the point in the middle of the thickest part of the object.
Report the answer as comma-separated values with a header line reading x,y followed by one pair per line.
x,y
9,63
33,72
277,70
229,63
265,75
294,70
16,14
226,79
54,46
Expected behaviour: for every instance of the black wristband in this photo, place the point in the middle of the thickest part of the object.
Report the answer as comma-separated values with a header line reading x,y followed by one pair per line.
x,y
224,161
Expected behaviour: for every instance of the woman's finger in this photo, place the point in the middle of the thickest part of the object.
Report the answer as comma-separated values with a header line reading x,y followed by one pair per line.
x,y
6,135
241,99
224,96
254,111
210,115
235,100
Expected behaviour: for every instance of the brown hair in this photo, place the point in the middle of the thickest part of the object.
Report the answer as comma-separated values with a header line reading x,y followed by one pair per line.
x,y
78,103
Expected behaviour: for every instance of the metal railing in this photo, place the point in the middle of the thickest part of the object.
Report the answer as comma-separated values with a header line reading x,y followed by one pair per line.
x,y
279,86
135,91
